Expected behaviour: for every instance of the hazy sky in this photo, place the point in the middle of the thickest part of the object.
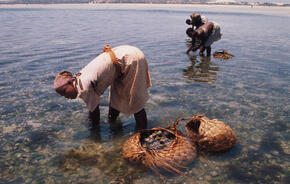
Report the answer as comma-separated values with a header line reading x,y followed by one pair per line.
x,y
262,1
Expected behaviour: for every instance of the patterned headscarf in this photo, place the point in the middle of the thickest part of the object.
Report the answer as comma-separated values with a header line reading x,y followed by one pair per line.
x,y
62,79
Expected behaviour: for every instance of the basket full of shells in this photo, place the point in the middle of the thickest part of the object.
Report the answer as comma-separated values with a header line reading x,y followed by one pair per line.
x,y
223,54
160,149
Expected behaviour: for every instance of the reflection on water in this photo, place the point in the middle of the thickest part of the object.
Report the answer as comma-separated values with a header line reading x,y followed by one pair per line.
x,y
201,71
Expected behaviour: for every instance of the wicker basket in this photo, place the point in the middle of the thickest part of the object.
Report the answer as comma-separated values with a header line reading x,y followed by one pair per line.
x,y
172,158
223,54
210,134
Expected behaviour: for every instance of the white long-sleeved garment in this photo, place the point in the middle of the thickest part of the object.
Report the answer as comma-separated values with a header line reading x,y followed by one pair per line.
x,y
129,91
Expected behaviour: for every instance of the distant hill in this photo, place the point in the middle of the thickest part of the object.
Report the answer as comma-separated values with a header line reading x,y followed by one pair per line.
x,y
42,1
101,1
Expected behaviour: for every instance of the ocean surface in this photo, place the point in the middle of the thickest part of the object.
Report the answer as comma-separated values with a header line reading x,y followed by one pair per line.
x,y
44,138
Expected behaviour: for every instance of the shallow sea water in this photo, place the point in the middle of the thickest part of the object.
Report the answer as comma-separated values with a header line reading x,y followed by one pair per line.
x,y
44,137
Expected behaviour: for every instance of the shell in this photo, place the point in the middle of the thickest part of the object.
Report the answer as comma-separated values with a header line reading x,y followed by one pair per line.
x,y
211,134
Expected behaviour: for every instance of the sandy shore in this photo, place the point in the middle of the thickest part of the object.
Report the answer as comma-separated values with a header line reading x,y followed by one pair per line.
x,y
266,10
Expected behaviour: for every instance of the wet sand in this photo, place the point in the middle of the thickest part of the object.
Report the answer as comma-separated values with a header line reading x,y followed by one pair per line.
x,y
265,10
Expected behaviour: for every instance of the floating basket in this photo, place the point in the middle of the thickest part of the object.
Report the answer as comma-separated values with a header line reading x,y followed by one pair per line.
x,y
223,54
210,134
171,156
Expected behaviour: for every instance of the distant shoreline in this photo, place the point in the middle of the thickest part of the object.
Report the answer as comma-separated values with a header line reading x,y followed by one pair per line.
x,y
267,10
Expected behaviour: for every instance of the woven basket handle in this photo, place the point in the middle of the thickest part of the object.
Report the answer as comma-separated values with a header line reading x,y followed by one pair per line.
x,y
175,124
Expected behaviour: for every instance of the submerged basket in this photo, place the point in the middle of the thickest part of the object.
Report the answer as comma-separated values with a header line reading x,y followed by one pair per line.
x,y
180,152
223,54
210,134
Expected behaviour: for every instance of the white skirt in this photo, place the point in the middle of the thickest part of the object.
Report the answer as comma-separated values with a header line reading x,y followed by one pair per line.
x,y
215,36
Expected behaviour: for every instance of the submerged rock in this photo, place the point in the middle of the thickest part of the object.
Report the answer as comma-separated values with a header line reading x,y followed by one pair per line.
x,y
108,161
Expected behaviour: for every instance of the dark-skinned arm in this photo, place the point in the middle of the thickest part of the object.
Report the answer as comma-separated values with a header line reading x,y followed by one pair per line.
x,y
189,49
191,45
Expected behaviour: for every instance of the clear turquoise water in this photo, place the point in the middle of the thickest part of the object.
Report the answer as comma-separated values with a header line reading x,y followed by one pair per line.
x,y
44,137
